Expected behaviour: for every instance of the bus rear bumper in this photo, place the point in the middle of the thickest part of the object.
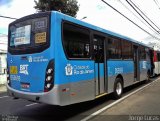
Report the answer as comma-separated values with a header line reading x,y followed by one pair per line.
x,y
50,97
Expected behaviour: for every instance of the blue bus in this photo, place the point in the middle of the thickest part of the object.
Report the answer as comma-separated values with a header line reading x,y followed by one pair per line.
x,y
56,59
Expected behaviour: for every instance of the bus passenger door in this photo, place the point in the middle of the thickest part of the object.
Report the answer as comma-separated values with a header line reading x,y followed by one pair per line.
x,y
136,63
98,48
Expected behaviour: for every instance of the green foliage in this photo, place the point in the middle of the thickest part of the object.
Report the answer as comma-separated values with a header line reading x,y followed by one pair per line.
x,y
69,7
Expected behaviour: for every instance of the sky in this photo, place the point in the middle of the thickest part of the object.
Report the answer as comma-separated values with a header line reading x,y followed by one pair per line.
x,y
15,9
96,13
101,15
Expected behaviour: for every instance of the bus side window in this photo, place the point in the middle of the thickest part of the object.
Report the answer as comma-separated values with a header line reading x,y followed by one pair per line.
x,y
76,41
114,48
142,53
98,49
127,50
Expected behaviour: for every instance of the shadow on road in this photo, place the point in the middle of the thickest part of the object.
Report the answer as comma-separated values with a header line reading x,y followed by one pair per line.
x,y
44,112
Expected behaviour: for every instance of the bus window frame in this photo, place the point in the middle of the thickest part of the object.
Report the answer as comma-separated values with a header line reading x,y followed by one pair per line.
x,y
140,57
37,47
62,40
127,59
115,38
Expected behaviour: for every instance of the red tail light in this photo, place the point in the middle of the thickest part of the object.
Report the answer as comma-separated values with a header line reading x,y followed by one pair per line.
x,y
155,57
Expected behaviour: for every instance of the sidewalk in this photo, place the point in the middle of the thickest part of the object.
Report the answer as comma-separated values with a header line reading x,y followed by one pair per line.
x,y
142,106
2,88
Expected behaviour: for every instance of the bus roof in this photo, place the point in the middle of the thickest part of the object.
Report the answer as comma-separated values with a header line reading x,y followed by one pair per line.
x,y
85,24
79,22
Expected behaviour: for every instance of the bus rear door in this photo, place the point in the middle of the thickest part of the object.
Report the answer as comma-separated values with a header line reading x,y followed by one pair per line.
x,y
136,63
99,58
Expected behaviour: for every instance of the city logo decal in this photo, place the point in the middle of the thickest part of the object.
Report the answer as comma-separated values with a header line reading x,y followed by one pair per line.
x,y
24,69
69,70
37,59
78,69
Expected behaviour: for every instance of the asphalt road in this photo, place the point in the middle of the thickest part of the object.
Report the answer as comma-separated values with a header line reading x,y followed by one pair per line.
x,y
141,106
23,110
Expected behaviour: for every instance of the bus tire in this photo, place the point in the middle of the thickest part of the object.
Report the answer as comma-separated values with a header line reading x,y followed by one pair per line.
x,y
118,88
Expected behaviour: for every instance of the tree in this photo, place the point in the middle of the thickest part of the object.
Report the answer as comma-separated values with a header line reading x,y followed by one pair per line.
x,y
69,7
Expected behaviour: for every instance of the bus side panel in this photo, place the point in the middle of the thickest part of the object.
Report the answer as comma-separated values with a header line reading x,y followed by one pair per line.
x,y
143,70
157,67
76,81
82,83
123,68
96,77
102,83
74,78
82,91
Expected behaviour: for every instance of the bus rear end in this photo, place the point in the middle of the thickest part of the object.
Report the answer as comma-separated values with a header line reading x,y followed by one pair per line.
x,y
30,58
156,60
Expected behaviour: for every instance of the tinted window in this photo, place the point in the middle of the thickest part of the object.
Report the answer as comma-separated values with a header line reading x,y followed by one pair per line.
x,y
98,48
126,50
26,34
142,53
114,48
158,56
29,34
76,41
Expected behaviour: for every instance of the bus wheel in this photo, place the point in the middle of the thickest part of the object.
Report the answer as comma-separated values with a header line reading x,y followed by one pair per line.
x,y
118,88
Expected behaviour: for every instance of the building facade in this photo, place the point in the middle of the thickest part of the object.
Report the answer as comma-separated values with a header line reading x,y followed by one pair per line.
x,y
3,68
3,58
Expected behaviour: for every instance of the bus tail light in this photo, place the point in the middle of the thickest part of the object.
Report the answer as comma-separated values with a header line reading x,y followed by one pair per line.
x,y
49,78
8,77
155,59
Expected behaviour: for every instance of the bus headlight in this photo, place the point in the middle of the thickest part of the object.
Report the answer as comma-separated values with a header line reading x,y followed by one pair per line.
x,y
49,78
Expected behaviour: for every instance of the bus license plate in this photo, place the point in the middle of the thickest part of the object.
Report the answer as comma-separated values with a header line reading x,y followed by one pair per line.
x,y
13,70
25,85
